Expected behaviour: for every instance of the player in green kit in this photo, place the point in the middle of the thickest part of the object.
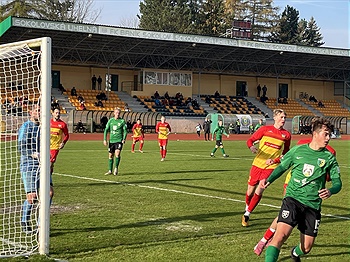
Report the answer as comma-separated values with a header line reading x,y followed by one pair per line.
x,y
306,189
218,132
116,126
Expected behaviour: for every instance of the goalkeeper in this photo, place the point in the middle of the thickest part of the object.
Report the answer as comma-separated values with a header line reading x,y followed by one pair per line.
x,y
29,147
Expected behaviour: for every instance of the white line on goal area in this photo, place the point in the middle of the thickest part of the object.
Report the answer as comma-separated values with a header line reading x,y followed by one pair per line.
x,y
181,192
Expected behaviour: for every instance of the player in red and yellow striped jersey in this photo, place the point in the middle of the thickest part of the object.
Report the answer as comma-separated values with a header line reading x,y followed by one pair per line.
x,y
137,135
274,141
58,135
271,230
163,129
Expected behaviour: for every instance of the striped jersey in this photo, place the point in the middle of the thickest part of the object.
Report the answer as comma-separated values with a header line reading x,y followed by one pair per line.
x,y
137,130
162,129
273,143
58,133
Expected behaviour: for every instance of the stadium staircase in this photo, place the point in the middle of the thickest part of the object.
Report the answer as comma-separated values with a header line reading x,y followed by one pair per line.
x,y
231,104
205,106
62,100
331,108
256,102
132,102
309,107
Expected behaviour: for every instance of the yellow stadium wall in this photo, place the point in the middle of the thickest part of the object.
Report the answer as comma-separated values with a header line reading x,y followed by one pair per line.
x,y
80,77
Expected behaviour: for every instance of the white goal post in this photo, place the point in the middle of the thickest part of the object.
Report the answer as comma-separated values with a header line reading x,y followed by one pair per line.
x,y
25,80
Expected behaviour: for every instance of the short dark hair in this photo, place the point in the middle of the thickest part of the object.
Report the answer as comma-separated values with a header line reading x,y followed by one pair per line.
x,y
317,123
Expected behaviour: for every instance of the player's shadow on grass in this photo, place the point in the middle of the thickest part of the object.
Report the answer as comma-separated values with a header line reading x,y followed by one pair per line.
x,y
177,172
319,256
205,217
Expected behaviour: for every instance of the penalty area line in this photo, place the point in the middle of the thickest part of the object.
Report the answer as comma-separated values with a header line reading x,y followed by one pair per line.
x,y
181,192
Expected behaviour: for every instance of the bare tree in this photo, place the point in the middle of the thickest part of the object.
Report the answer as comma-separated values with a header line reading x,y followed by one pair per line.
x,y
59,10
130,22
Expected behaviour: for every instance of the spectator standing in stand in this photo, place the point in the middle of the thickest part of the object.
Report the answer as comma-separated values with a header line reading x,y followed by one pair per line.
x,y
93,82
99,83
73,92
264,89
258,88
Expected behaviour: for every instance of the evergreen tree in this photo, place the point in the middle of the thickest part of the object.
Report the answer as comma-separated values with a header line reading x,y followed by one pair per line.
x,y
313,37
165,15
287,30
22,8
213,14
262,14
302,24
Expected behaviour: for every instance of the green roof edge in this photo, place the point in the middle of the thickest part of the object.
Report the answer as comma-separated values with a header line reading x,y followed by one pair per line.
x,y
5,25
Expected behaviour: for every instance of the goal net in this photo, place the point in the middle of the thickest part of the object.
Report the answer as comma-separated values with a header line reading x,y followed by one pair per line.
x,y
25,76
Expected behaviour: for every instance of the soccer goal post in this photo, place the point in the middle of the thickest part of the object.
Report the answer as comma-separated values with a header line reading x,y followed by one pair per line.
x,y
25,83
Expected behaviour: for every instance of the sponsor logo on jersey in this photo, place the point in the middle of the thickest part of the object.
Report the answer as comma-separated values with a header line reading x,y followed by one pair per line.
x,y
321,162
308,170
269,144
285,214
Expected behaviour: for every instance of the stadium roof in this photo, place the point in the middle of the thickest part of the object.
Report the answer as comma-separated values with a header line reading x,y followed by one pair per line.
x,y
117,47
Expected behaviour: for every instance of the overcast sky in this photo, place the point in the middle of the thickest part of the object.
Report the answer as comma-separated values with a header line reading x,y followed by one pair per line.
x,y
331,16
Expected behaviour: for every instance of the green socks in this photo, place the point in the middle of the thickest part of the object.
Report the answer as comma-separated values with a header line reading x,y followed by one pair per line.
x,y
271,254
110,164
298,251
117,161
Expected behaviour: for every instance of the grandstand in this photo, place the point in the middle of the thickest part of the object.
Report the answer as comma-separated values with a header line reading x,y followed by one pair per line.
x,y
292,108
90,99
185,63
331,108
172,107
231,104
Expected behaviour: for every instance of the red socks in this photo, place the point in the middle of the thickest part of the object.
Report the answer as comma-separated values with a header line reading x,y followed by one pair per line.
x,y
247,199
254,202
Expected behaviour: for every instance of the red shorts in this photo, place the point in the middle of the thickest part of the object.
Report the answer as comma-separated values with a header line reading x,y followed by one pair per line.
x,y
53,155
257,174
162,142
137,139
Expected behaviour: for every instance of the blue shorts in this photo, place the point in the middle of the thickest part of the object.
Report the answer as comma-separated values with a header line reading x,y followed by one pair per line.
x,y
31,179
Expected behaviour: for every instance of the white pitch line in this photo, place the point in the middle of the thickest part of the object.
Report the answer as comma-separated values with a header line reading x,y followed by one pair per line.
x,y
181,192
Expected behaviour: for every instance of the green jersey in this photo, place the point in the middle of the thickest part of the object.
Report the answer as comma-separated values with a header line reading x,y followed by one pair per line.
x,y
219,130
117,129
309,170
258,125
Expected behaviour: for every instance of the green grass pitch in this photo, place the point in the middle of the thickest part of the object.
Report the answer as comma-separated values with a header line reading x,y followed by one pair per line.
x,y
187,208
